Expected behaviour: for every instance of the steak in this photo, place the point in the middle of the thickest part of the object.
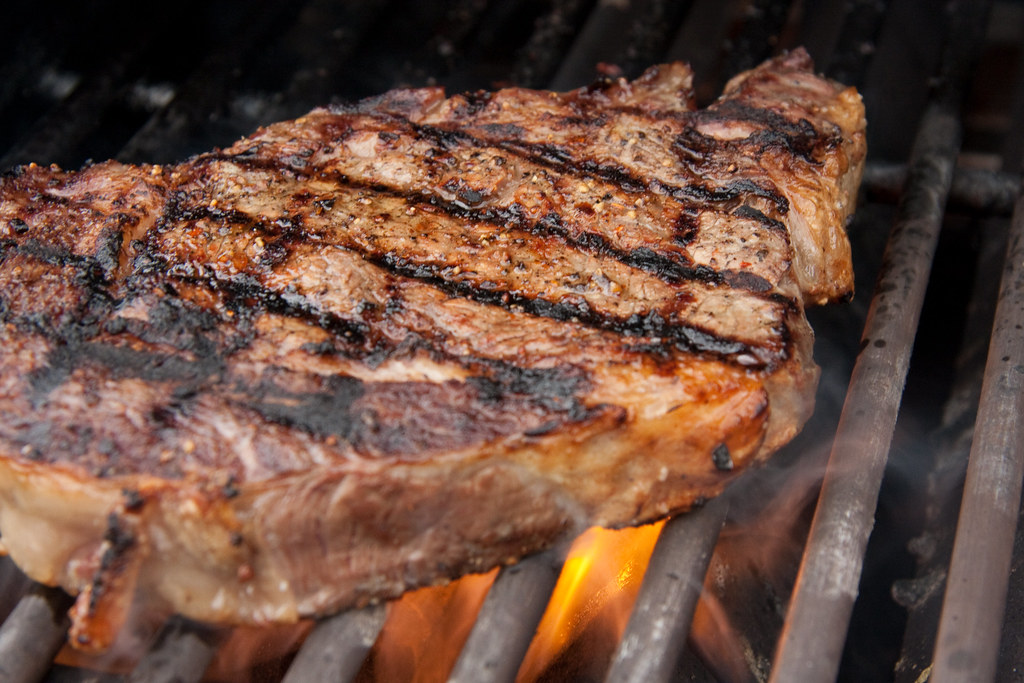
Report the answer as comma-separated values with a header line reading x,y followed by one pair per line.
x,y
393,342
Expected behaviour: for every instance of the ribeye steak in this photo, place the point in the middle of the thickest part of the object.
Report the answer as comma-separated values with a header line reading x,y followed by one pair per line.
x,y
390,343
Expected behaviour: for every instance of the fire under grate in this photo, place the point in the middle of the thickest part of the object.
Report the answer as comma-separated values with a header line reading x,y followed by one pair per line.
x,y
944,101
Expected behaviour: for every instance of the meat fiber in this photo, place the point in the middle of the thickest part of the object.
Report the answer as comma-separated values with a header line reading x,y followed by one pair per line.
x,y
387,344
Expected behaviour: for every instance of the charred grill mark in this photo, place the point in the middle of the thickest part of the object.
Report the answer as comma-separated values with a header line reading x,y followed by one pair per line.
x,y
652,324
244,295
325,413
122,361
747,211
364,415
650,261
748,281
88,271
561,385
66,302
178,209
562,160
641,258
798,138
545,154
512,216
724,194
686,229
246,291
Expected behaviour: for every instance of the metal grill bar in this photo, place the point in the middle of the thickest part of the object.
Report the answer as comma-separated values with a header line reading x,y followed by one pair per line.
x,y
507,620
856,41
13,585
545,49
597,36
762,23
661,617
972,613
815,629
991,193
932,547
181,654
337,646
32,635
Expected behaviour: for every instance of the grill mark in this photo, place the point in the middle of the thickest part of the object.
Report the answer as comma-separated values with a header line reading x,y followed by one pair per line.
x,y
177,209
245,294
724,194
562,160
798,138
76,311
548,155
518,400
247,291
241,293
747,211
642,258
123,362
688,338
87,268
326,413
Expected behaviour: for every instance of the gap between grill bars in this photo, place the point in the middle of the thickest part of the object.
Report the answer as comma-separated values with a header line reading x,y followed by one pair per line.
x,y
337,646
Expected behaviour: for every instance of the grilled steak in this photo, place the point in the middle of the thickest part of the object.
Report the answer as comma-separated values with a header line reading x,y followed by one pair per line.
x,y
390,343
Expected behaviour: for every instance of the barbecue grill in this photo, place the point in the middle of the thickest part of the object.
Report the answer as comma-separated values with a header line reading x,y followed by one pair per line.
x,y
892,576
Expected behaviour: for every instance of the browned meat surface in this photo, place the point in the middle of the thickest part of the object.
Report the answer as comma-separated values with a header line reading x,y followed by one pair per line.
x,y
387,344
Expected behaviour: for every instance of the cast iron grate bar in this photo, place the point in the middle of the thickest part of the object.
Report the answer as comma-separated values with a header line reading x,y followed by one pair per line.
x,y
984,192
545,49
181,654
13,585
612,33
816,624
760,31
32,634
507,620
857,39
967,646
661,617
337,646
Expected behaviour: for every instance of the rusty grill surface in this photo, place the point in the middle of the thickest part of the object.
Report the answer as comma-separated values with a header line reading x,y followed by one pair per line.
x,y
892,578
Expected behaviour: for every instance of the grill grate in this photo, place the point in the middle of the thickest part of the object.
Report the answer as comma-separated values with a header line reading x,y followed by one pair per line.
x,y
102,81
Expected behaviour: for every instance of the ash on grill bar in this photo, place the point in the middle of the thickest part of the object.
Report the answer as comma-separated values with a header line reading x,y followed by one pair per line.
x,y
879,545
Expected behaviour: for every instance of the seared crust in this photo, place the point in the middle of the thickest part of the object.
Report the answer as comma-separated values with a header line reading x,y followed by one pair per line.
x,y
387,344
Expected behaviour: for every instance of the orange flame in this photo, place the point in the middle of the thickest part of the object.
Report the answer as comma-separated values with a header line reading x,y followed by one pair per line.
x,y
597,587
426,630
